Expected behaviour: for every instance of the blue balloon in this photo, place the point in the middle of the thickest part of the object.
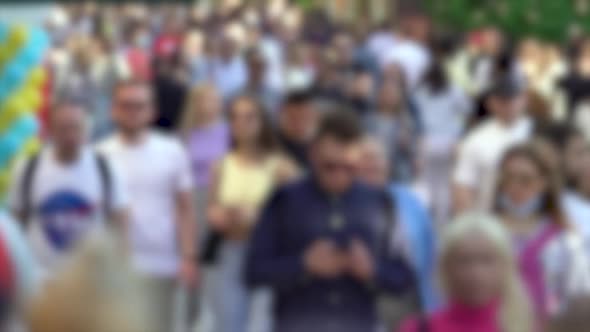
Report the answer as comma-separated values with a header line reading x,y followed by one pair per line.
x,y
40,39
13,77
3,91
9,146
24,127
30,56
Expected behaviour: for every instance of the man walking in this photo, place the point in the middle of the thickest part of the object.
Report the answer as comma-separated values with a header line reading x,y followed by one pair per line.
x,y
158,178
322,243
66,190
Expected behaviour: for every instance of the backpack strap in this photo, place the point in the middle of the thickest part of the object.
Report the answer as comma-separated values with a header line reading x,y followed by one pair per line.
x,y
106,183
26,186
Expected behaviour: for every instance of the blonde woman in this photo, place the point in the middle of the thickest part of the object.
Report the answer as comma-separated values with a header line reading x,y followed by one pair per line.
x,y
205,134
481,281
95,292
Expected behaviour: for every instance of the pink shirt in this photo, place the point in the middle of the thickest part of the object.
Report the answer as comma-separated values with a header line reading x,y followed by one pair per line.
x,y
458,318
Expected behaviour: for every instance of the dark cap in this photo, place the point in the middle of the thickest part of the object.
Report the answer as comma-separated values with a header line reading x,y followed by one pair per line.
x,y
506,87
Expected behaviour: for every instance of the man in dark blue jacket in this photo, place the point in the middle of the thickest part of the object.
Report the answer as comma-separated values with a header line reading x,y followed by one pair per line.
x,y
322,242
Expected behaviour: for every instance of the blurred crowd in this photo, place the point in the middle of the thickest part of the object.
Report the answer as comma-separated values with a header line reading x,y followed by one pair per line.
x,y
260,167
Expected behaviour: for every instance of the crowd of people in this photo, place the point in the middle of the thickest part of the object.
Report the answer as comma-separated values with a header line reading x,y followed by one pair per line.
x,y
268,168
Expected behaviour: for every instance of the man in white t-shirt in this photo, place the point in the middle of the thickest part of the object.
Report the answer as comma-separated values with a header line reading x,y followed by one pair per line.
x,y
66,190
159,182
475,173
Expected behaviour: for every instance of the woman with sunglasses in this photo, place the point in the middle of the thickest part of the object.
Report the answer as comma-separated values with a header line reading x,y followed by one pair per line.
x,y
241,183
552,260
480,279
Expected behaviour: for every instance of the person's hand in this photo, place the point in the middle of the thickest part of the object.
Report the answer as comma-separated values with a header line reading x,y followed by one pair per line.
x,y
240,221
218,217
361,264
188,273
322,259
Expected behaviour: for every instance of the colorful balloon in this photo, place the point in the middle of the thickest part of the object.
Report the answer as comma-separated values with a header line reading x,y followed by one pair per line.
x,y
24,127
37,77
9,145
21,79
17,36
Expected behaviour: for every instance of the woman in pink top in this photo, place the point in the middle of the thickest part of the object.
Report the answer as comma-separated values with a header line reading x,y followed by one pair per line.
x,y
552,259
480,278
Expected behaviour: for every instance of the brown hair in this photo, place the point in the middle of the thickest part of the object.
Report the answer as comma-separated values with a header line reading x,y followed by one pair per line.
x,y
341,125
266,140
552,197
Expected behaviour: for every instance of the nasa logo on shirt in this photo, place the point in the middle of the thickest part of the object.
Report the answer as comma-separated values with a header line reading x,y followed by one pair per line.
x,y
64,217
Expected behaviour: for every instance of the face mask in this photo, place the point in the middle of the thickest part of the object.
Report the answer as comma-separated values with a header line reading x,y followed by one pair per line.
x,y
142,41
524,210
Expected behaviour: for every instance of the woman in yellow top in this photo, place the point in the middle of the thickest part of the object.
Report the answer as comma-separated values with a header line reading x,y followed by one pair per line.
x,y
242,181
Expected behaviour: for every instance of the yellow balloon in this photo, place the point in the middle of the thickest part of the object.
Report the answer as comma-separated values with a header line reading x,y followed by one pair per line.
x,y
5,180
4,55
13,109
17,36
32,146
32,98
37,77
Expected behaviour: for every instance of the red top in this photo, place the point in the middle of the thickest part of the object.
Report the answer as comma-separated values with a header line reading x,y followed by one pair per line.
x,y
140,63
166,45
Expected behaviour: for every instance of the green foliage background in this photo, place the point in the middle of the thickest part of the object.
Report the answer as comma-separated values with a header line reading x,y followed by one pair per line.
x,y
548,19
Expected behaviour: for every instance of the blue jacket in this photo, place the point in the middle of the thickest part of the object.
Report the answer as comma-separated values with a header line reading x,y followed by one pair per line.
x,y
419,237
296,216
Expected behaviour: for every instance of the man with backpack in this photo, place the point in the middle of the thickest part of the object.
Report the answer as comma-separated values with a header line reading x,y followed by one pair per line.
x,y
66,190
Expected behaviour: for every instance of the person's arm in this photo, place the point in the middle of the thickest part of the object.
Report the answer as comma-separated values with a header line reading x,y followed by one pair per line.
x,y
287,170
428,293
119,214
15,194
186,225
462,198
464,179
185,219
265,264
216,213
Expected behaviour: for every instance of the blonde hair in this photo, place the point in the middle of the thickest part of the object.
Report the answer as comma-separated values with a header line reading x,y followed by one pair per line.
x,y
515,312
95,292
191,115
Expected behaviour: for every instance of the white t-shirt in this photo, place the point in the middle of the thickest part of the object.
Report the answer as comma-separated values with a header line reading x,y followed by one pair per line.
x,y
480,153
413,58
156,170
379,43
444,115
577,209
66,202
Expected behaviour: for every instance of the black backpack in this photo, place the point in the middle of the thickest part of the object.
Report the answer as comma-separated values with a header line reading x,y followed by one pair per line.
x,y
27,184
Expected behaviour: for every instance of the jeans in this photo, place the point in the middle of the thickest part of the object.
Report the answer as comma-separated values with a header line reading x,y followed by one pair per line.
x,y
235,307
